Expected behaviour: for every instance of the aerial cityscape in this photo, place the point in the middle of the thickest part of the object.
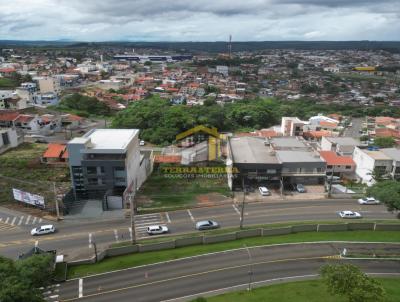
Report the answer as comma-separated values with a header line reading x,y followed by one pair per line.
x,y
207,152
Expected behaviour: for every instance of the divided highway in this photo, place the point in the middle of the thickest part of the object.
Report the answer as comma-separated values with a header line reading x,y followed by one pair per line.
x,y
198,275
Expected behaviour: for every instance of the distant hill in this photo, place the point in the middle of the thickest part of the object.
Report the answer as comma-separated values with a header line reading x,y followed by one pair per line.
x,y
392,46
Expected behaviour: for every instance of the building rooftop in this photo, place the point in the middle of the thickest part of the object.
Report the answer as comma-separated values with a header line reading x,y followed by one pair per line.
x,y
349,141
106,139
251,150
288,143
333,159
378,155
297,156
392,153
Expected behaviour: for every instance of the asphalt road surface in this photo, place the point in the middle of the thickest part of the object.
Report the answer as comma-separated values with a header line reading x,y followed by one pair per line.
x,y
75,238
211,272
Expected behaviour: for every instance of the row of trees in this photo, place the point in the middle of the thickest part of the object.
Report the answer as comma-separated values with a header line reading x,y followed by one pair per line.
x,y
20,280
84,105
160,121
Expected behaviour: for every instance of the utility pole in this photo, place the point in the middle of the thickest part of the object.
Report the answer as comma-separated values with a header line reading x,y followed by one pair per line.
x,y
95,252
330,182
56,200
133,230
242,208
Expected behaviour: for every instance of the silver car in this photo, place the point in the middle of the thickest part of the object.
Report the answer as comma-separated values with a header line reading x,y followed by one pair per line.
x,y
42,230
368,200
206,225
350,215
157,230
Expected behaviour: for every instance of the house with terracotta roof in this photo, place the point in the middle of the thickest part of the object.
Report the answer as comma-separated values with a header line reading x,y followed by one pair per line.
x,y
338,165
55,153
7,118
28,122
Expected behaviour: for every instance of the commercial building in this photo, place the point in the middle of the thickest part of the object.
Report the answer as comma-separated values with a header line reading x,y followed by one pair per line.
x,y
276,161
107,162
337,165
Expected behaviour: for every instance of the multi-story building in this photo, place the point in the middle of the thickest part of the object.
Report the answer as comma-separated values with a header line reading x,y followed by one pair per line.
x,y
8,139
372,163
337,165
106,160
341,145
292,126
48,84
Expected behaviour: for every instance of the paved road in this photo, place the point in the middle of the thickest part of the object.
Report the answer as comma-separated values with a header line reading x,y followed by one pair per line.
x,y
200,274
75,238
354,130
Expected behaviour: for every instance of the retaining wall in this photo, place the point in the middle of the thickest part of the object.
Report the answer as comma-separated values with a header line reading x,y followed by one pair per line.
x,y
332,227
157,246
219,238
123,250
188,241
304,228
387,227
248,233
280,231
361,226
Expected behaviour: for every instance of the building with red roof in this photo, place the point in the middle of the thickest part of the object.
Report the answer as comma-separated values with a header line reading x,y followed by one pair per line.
x,y
55,153
337,164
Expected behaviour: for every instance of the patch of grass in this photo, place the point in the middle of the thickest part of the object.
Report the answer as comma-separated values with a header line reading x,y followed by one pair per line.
x,y
132,260
162,192
301,291
21,168
8,83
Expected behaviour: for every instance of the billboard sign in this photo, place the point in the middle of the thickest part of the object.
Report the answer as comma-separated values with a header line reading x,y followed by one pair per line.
x,y
29,198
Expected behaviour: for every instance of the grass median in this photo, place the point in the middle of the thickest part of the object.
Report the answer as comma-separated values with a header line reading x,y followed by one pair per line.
x,y
132,260
302,291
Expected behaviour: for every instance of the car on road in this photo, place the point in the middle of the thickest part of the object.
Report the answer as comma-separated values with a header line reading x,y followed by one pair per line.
x,y
142,143
206,225
301,188
349,215
43,229
264,191
157,229
368,200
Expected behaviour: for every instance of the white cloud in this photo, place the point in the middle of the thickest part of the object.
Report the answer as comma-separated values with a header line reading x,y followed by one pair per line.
x,y
201,20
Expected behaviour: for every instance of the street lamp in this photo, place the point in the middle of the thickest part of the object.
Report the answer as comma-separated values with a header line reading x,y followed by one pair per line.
x,y
250,271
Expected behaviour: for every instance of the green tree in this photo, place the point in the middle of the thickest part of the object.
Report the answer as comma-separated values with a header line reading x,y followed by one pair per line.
x,y
20,280
388,192
384,142
84,104
349,281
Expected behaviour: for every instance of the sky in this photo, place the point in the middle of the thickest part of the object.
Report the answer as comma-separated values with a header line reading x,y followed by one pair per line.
x,y
200,20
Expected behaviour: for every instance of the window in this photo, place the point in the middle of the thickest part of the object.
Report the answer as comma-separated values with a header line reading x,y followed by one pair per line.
x,y
119,169
348,167
102,170
6,140
92,181
91,170
329,167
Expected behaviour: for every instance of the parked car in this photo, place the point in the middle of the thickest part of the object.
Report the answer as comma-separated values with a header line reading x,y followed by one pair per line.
x,y
334,179
157,230
264,191
142,143
349,215
206,225
301,188
368,200
42,230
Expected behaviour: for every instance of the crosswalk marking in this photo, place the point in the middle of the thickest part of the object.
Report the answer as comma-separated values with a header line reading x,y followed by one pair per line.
x,y
90,240
40,220
13,221
143,221
27,219
20,220
34,220
190,215
116,235
236,209
167,216
7,220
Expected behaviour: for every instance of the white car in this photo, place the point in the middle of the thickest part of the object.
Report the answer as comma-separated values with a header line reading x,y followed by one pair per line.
x,y
42,230
206,225
157,229
142,143
368,200
349,214
264,191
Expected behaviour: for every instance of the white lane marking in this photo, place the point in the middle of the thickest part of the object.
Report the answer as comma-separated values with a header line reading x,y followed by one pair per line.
x,y
168,219
53,297
34,220
116,235
7,220
236,209
40,220
90,240
190,214
13,221
27,219
1,219
148,223
130,233
36,243
147,220
80,290
20,220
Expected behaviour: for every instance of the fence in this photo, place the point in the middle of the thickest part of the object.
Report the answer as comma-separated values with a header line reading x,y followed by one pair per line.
x,y
251,233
